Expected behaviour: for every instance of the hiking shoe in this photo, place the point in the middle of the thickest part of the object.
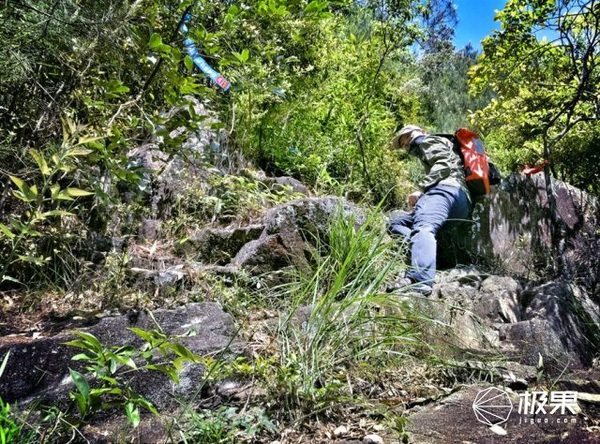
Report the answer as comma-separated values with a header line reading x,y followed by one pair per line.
x,y
421,288
398,284
407,285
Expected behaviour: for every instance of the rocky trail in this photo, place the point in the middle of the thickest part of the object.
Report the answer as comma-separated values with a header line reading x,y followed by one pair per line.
x,y
495,318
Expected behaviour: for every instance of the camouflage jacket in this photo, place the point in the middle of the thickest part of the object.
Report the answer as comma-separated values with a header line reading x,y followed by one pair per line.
x,y
443,165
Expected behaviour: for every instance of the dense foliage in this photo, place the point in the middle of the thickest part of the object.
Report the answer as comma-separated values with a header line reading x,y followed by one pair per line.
x,y
317,90
542,65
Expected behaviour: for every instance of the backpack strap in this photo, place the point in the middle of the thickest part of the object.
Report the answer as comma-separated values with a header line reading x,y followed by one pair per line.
x,y
455,143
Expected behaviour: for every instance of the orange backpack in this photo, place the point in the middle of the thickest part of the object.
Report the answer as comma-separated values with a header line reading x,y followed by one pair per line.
x,y
480,173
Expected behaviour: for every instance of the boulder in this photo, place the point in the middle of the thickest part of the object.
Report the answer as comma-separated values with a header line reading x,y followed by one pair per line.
x,y
485,314
285,236
283,182
471,306
498,301
453,420
218,245
510,229
290,233
276,183
38,367
559,322
310,215
270,253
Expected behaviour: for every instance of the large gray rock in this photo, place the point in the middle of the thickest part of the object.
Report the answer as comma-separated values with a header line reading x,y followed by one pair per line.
x,y
271,253
291,232
310,215
285,236
39,367
218,245
453,420
493,314
471,307
559,322
511,230
184,158
283,182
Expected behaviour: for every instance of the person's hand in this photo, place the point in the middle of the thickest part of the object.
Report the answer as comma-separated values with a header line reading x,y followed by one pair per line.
x,y
412,198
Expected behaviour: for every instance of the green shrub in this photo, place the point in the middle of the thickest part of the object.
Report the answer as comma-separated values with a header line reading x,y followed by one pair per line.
x,y
111,365
225,425
339,317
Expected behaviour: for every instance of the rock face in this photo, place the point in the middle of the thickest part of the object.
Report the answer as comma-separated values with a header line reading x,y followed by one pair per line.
x,y
486,314
219,245
285,236
290,231
39,367
168,174
511,229
559,322
286,181
453,420
524,314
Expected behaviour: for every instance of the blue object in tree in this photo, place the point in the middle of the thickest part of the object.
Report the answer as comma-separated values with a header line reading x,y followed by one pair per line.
x,y
198,60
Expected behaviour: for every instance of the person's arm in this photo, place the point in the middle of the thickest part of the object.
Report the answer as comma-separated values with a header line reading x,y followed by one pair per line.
x,y
437,154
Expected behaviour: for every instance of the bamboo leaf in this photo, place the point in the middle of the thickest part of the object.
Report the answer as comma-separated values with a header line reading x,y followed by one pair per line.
x,y
76,192
80,382
143,334
41,162
20,183
54,189
155,41
26,195
6,231
63,195
105,391
56,213
11,279
83,141
133,414
91,340
146,404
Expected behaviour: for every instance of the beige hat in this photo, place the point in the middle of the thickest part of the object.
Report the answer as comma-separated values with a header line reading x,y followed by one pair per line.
x,y
403,132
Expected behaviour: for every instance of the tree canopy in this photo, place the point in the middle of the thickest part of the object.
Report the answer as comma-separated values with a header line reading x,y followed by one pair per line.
x,y
543,68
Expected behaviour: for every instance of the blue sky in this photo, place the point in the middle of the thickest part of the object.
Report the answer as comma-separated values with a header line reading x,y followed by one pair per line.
x,y
476,20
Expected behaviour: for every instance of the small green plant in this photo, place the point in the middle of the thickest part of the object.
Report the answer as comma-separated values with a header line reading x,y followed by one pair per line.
x,y
43,233
225,425
399,424
339,317
111,366
9,429
113,275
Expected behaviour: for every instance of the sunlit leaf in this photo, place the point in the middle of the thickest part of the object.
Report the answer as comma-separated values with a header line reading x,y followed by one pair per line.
x,y
6,231
41,162
80,382
133,414
76,192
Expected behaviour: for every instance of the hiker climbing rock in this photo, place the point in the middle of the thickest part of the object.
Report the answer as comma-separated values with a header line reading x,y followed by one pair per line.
x,y
444,195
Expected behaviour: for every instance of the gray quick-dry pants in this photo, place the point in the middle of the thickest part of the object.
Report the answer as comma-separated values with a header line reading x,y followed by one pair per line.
x,y
439,204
